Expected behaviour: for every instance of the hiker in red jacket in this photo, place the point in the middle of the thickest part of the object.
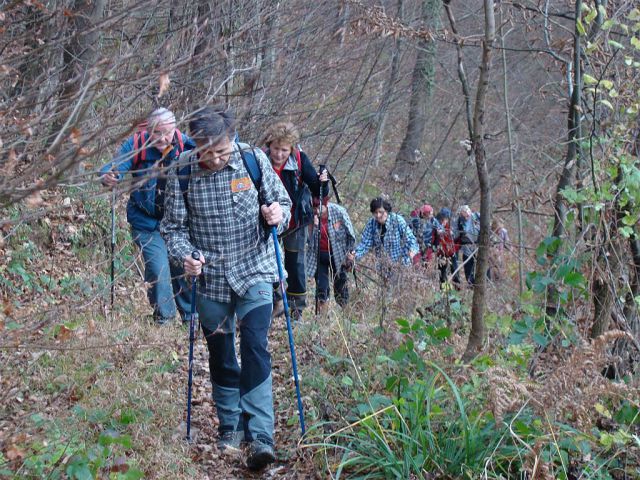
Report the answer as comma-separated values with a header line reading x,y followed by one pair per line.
x,y
302,182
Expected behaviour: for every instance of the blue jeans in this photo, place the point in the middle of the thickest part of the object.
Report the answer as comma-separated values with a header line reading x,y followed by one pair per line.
x,y
243,395
165,280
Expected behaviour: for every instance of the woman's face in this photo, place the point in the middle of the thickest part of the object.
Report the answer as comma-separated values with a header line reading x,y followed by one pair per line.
x,y
278,153
381,215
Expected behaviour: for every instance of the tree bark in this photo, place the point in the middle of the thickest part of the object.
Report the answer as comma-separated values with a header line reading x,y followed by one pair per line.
x,y
80,54
514,179
566,178
476,335
421,89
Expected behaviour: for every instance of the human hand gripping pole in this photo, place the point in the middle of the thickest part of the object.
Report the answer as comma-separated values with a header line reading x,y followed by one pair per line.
x,y
193,317
274,235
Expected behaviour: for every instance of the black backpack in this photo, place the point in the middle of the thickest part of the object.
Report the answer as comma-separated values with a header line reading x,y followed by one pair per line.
x,y
302,198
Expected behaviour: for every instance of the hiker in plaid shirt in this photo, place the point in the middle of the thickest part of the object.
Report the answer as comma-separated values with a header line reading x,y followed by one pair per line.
x,y
332,241
220,215
387,234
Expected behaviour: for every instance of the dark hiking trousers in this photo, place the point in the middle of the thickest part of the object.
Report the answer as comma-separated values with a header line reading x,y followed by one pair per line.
x,y
326,269
294,245
243,394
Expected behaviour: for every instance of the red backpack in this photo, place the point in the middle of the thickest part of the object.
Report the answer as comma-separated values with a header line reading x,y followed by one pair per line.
x,y
446,244
140,139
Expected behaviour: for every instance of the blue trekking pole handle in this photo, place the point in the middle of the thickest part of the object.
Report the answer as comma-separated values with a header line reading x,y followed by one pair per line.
x,y
292,349
192,322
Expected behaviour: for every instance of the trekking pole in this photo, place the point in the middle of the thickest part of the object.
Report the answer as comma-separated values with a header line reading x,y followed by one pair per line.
x,y
274,234
113,246
193,317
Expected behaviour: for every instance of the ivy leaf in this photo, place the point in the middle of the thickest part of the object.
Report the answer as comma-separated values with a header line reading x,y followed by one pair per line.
x,y
635,41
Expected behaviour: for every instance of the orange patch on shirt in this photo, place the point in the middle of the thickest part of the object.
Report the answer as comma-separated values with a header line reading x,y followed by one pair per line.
x,y
240,184
337,225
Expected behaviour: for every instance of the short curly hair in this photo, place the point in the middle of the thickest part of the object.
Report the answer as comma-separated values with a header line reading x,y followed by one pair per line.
x,y
282,132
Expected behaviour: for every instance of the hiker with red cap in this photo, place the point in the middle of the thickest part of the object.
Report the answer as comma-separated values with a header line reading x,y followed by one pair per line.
x,y
423,224
148,156
335,235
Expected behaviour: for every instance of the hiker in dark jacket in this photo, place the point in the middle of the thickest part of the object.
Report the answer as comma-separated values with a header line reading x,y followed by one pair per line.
x,y
297,173
219,213
147,156
332,238
467,232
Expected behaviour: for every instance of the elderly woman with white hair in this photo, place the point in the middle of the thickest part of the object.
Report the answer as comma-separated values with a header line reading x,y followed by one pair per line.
x,y
147,155
467,234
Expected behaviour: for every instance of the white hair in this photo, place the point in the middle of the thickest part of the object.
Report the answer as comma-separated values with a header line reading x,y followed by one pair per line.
x,y
161,116
465,208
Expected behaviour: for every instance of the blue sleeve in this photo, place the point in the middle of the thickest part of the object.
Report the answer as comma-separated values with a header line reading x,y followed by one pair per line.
x,y
123,161
189,143
366,241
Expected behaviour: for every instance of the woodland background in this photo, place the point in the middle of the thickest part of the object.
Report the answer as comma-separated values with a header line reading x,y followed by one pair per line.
x,y
526,110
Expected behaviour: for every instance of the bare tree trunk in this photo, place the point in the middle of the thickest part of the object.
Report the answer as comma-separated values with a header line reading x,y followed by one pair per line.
x,y
385,100
514,179
476,335
566,178
421,88
80,54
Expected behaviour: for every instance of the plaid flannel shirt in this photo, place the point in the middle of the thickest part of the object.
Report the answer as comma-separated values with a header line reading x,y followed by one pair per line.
x,y
222,219
398,239
342,238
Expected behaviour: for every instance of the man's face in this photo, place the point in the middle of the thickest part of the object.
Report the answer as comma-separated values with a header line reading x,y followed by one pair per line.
x,y
278,153
161,135
215,156
380,215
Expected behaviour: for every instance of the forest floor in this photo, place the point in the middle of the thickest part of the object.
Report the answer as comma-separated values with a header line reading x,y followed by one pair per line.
x,y
89,395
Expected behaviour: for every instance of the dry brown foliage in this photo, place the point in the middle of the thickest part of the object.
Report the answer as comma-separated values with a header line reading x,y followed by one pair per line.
x,y
568,388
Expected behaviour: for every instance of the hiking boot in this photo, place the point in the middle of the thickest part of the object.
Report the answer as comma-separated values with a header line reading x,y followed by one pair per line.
x,y
161,321
278,309
296,314
229,442
260,455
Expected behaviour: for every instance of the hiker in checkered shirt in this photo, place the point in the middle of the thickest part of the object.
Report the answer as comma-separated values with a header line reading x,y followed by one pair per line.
x,y
387,234
336,239
221,217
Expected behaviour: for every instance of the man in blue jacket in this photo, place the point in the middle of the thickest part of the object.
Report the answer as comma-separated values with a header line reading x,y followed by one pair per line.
x,y
147,155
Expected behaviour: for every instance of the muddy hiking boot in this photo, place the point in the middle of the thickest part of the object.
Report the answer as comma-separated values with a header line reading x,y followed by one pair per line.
x,y
278,309
259,455
229,442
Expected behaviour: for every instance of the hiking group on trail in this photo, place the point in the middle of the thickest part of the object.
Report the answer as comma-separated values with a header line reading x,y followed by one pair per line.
x,y
203,205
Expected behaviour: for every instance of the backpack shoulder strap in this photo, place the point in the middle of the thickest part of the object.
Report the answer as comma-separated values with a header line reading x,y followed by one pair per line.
x,y
180,141
184,177
251,164
139,139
